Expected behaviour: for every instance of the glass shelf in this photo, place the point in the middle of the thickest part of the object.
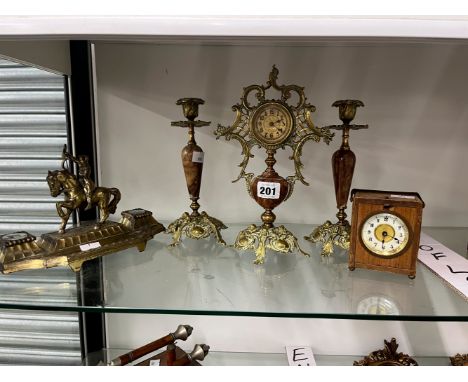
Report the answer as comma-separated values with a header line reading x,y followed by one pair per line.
x,y
218,358
204,278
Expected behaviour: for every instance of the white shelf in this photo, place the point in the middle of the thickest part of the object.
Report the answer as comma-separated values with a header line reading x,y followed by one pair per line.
x,y
122,27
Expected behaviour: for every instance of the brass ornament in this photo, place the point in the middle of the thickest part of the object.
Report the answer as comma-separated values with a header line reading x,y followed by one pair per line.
x,y
21,250
459,360
195,225
271,124
74,246
343,162
79,191
388,356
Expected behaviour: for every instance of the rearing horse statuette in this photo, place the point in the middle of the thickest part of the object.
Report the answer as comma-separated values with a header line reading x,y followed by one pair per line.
x,y
80,190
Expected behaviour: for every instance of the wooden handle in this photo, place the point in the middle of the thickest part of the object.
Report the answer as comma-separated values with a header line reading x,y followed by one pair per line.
x,y
141,351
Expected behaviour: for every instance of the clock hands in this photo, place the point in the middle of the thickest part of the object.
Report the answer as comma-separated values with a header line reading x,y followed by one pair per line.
x,y
385,234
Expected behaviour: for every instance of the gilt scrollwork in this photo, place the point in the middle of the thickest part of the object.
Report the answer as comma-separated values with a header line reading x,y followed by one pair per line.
x,y
260,238
331,235
388,356
303,131
459,360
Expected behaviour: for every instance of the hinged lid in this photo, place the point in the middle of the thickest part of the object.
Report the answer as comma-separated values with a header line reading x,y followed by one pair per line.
x,y
379,195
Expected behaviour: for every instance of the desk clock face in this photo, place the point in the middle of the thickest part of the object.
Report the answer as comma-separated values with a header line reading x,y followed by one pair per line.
x,y
272,123
385,234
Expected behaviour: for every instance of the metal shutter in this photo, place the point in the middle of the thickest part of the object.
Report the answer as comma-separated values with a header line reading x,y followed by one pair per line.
x,y
32,133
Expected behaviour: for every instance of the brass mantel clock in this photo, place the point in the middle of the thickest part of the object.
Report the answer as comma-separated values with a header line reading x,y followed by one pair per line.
x,y
271,124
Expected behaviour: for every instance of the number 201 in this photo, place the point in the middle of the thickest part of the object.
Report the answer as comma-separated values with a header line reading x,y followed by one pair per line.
x,y
267,191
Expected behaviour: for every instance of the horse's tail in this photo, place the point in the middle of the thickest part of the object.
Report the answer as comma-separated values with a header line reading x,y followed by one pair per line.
x,y
115,200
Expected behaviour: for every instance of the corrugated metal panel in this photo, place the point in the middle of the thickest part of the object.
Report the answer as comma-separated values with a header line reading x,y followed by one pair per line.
x,y
32,134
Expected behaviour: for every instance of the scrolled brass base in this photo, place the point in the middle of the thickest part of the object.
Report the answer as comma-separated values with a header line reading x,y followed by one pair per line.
x,y
330,235
388,356
195,226
459,360
260,238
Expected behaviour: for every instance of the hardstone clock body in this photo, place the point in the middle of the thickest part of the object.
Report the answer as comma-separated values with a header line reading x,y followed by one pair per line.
x,y
385,231
272,123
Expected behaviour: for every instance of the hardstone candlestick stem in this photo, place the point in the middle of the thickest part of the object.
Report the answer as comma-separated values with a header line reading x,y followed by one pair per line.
x,y
343,163
195,225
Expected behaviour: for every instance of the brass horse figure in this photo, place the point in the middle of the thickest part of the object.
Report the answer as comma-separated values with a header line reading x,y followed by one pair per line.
x,y
80,190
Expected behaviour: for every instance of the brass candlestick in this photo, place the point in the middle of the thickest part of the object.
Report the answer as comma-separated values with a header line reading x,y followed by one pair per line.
x,y
195,225
343,162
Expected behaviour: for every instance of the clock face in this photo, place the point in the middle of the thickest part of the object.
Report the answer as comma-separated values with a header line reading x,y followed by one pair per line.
x,y
385,234
272,123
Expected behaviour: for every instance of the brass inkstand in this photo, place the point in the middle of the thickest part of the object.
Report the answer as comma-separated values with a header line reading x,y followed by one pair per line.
x,y
343,162
73,246
195,225
271,124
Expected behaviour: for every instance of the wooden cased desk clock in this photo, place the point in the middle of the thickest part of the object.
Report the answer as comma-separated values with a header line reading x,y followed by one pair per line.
x,y
271,124
385,231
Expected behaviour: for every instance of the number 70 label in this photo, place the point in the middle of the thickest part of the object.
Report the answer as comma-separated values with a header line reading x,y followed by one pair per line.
x,y
268,190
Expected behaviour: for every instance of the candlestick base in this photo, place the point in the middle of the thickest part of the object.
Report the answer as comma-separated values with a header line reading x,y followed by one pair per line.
x,y
264,237
331,235
195,226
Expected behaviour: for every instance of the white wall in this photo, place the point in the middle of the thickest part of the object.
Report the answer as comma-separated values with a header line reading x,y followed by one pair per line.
x,y
415,97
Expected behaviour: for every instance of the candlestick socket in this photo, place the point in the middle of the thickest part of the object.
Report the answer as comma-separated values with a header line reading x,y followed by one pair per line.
x,y
347,109
190,107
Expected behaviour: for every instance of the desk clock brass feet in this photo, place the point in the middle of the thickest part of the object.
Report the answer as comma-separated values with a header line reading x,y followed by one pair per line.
x,y
260,238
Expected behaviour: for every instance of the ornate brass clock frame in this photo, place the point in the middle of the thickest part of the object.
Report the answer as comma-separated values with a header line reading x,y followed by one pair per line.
x,y
388,356
271,124
343,162
195,225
